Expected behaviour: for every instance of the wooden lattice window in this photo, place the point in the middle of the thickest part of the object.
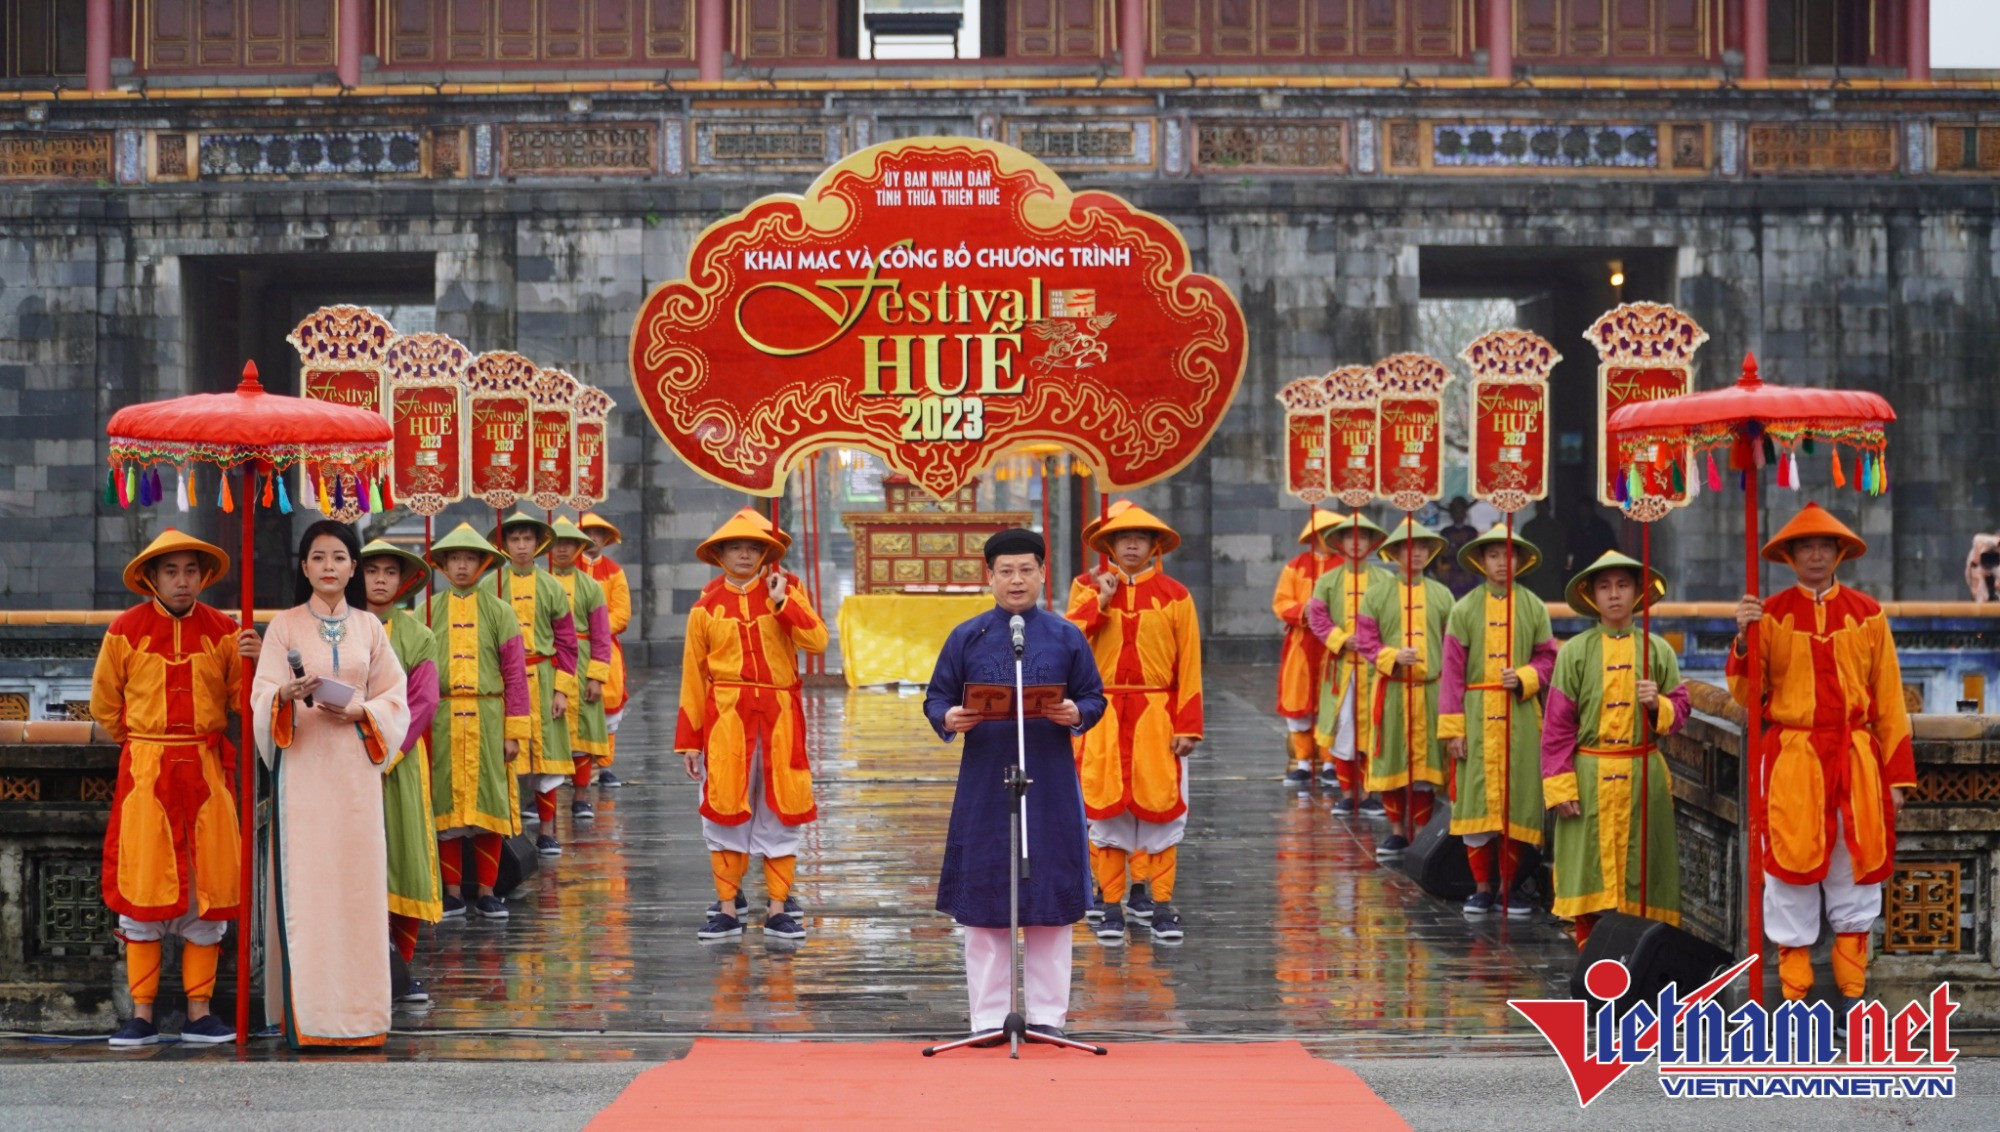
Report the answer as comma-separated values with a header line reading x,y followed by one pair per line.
x,y
1923,906
13,705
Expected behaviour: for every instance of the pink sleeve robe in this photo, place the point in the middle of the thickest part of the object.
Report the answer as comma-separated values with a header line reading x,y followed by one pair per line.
x,y
326,972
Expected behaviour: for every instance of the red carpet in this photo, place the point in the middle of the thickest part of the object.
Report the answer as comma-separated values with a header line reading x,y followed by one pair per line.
x,y
887,1086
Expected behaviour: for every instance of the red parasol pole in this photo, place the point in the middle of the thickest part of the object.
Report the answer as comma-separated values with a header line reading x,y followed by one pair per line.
x,y
430,577
549,517
1645,714
500,573
1753,745
1409,701
246,757
1507,740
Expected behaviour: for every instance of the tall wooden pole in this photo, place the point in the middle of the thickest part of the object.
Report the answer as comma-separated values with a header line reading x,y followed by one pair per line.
x,y
246,763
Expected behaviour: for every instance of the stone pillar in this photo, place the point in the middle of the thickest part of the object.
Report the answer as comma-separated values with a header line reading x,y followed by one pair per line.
x,y
1756,40
347,60
1500,39
1917,37
708,23
97,45
1132,38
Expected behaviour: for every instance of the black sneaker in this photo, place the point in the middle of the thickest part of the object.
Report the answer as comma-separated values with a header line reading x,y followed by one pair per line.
x,y
581,810
793,908
1111,929
133,1033
1139,902
1095,912
1518,907
1393,847
1344,808
1299,778
783,926
208,1030
548,846
489,907
454,908
609,780
1371,807
1478,906
1329,778
416,993
1841,1005
742,907
720,927
1166,925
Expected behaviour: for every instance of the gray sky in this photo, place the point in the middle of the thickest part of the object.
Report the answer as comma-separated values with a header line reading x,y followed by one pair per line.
x,y
1965,33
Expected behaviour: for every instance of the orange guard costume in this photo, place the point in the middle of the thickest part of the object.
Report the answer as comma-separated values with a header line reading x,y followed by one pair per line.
x,y
1148,646
1302,656
163,688
618,600
1836,742
740,708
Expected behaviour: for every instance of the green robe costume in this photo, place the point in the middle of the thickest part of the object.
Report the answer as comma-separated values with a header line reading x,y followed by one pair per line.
x,y
479,642
1334,589
589,732
414,889
1472,706
1398,734
1590,751
541,608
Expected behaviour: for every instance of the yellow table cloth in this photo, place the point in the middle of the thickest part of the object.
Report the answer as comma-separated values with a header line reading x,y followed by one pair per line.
x,y
889,637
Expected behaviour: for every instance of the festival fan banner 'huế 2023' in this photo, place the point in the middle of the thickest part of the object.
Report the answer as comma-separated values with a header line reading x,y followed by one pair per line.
x,y
938,301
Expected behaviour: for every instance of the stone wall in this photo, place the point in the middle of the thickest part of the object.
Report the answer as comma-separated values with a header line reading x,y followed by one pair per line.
x,y
1865,278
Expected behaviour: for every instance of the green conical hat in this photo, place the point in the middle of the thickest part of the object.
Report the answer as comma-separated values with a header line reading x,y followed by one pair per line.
x,y
1411,531
566,531
1578,593
1341,524
415,570
523,519
1468,555
463,537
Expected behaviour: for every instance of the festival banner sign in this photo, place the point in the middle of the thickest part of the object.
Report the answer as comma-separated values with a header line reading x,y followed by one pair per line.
x,y
341,350
427,411
1409,429
1350,434
1645,352
552,433
1305,438
593,474
1510,417
940,302
497,387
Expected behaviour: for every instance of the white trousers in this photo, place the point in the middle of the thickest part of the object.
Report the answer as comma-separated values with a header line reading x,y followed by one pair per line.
x,y
187,925
1129,832
612,720
1343,736
1303,723
547,782
1792,911
1045,961
763,834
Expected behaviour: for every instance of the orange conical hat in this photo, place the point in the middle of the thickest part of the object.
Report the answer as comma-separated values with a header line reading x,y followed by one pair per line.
x,y
1814,522
1132,517
1320,521
172,541
745,524
592,521
1112,510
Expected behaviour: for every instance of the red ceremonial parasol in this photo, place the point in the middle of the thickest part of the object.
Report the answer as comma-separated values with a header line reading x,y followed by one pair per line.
x,y
259,434
1761,425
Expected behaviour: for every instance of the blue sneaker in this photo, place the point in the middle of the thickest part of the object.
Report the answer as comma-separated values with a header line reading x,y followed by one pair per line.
x,y
135,1032
1095,912
1166,925
1139,902
609,780
1344,808
784,926
1111,929
454,907
720,927
1371,807
1478,906
208,1030
1518,907
490,907
742,907
582,811
548,846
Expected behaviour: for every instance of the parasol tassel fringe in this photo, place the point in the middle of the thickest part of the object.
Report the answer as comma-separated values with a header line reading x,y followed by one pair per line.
x,y
1714,477
130,487
192,501
227,501
388,497
268,478
1792,470
323,507
180,490
1882,474
339,497
110,487
1839,477
284,499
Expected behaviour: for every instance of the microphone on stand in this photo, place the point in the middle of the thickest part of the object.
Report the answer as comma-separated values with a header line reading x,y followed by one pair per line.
x,y
1019,629
298,670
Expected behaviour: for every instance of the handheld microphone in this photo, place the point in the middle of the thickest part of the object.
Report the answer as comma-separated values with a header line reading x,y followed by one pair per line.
x,y
298,670
1019,629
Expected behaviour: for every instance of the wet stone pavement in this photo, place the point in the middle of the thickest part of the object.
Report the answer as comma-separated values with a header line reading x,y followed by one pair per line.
x,y
1293,929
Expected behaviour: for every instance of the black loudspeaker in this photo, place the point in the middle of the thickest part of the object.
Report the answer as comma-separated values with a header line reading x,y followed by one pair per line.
x,y
1436,859
1655,953
518,862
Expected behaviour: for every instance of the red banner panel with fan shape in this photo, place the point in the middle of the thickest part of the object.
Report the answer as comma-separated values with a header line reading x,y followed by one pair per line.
x,y
940,302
